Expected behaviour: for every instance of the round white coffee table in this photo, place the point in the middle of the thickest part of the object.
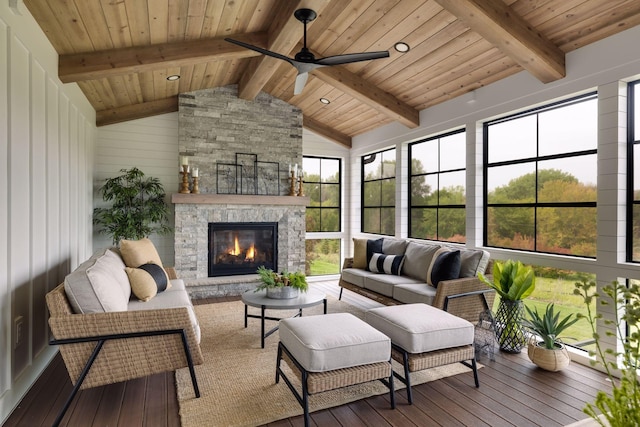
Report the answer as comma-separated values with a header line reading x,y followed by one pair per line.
x,y
259,299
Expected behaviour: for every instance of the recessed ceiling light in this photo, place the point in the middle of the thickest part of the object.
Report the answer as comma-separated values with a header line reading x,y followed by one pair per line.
x,y
401,47
173,77
325,101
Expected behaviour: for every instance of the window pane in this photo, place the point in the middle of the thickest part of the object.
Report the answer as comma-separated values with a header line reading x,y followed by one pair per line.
x,y
569,128
330,219
452,152
556,286
388,221
423,224
568,180
323,257
636,169
311,168
425,155
312,190
313,219
330,195
388,192
372,169
635,232
511,227
371,193
451,224
420,190
331,170
512,183
452,188
512,139
567,230
371,220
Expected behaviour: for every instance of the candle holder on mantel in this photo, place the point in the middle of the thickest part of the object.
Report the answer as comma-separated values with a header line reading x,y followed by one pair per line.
x,y
292,184
300,188
194,188
184,188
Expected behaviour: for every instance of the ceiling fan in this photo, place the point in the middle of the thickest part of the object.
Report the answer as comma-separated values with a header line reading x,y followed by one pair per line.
x,y
304,61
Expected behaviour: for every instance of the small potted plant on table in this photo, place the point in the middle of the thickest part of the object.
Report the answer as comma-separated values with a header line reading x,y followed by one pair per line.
x,y
283,285
549,353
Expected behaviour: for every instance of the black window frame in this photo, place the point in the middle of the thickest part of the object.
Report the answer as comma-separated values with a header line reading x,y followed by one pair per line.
x,y
321,183
437,206
363,162
537,159
631,143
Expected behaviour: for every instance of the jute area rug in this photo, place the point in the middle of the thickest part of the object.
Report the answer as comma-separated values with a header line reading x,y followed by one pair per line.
x,y
237,379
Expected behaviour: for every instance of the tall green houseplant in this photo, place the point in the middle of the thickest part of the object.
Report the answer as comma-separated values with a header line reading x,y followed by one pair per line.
x,y
137,209
513,281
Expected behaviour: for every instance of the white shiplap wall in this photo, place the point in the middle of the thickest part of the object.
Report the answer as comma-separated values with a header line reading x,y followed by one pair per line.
x,y
151,145
47,135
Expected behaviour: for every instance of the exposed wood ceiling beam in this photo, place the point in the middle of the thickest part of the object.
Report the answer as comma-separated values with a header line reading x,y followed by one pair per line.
x,y
115,62
137,111
326,131
367,93
284,34
500,25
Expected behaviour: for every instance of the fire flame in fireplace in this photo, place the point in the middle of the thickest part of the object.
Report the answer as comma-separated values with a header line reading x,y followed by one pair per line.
x,y
250,254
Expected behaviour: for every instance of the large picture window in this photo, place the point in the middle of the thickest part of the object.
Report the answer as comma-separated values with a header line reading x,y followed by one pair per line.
x,y
321,184
540,179
437,188
379,192
633,213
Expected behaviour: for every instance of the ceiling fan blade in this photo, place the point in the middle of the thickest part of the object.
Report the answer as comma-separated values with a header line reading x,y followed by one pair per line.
x,y
301,81
352,57
261,50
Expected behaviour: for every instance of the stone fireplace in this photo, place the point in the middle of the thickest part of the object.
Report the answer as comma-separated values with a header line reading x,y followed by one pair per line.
x,y
218,129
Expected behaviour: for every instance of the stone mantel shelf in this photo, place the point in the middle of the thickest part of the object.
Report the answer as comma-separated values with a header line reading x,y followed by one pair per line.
x,y
238,199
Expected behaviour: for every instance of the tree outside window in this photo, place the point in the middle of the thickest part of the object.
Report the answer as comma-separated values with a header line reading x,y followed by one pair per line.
x,y
437,182
379,192
540,179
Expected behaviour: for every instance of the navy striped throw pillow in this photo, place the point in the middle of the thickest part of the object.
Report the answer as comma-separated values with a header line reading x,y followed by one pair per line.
x,y
388,264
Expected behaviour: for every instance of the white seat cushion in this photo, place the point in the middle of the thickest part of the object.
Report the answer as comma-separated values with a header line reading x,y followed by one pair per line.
x,y
356,276
414,293
333,341
420,328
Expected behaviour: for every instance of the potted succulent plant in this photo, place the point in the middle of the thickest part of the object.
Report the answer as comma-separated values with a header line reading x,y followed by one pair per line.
x,y
545,347
513,281
281,285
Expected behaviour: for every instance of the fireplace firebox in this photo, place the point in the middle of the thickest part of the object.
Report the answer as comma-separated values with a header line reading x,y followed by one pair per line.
x,y
241,247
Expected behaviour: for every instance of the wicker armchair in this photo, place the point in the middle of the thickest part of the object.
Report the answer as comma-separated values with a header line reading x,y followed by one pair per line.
x,y
465,297
105,348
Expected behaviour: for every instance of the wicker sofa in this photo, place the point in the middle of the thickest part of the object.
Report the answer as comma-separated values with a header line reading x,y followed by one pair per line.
x,y
460,292
101,343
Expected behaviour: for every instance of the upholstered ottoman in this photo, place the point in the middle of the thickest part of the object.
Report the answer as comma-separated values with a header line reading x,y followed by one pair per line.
x,y
424,337
332,351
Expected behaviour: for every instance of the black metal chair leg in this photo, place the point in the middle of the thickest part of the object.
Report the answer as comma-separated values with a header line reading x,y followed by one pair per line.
x,y
81,378
192,370
407,378
340,296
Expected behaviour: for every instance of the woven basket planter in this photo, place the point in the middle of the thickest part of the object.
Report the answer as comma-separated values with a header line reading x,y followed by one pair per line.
x,y
550,360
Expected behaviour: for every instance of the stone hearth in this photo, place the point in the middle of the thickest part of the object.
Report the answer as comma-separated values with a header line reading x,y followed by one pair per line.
x,y
194,212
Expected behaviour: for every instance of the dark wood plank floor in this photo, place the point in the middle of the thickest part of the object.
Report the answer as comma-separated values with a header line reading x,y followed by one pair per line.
x,y
513,392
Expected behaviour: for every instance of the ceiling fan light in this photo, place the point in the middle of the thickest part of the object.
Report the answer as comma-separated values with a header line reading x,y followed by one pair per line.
x,y
401,47
173,77
325,101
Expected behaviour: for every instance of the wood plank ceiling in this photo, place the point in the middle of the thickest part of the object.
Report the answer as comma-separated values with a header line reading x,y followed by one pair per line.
x,y
120,52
